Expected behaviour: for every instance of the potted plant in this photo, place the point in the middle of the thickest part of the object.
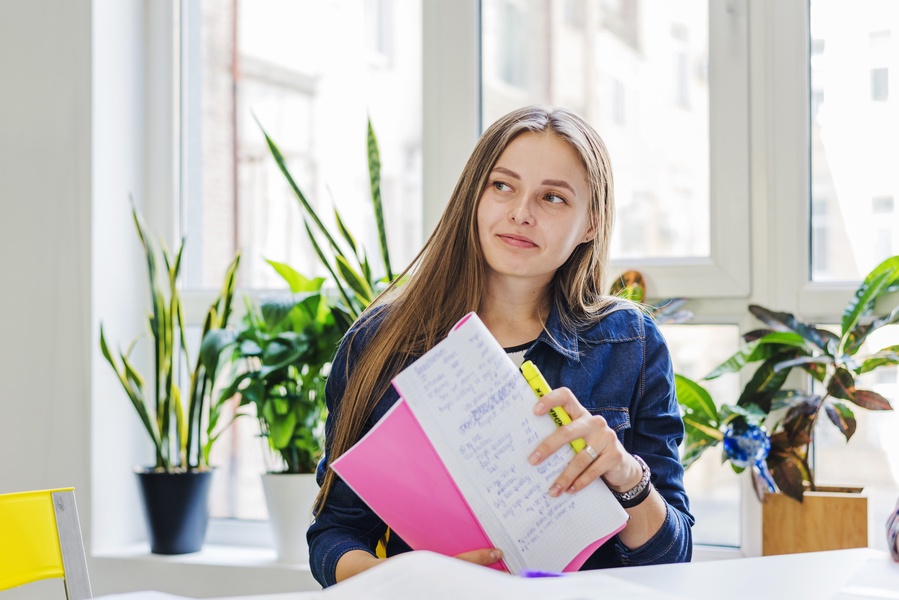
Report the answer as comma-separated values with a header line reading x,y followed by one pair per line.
x,y
181,429
283,351
770,427
285,347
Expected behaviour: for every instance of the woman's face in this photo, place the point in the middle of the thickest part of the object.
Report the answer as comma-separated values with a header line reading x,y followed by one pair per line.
x,y
535,209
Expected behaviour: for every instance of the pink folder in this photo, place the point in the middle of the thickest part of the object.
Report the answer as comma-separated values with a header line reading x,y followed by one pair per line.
x,y
398,473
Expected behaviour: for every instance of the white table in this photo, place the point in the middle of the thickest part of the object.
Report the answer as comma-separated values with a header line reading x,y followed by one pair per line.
x,y
838,575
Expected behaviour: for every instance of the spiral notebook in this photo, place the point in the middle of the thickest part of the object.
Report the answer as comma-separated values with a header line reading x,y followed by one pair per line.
x,y
446,467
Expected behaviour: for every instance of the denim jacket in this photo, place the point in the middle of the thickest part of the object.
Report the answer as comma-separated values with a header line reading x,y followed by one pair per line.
x,y
619,368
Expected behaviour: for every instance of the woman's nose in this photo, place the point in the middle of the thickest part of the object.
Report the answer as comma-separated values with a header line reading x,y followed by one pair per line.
x,y
520,212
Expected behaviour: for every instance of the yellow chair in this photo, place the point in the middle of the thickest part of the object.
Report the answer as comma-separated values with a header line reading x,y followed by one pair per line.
x,y
40,538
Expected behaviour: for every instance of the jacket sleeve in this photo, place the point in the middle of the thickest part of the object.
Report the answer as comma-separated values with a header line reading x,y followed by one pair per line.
x,y
345,522
656,432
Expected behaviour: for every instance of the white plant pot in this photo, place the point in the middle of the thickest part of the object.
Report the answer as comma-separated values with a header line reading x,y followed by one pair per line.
x,y
289,498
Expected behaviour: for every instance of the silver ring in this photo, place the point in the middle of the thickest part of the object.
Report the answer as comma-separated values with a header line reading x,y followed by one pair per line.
x,y
593,453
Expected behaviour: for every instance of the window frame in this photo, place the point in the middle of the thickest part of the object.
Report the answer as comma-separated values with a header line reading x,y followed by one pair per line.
x,y
759,187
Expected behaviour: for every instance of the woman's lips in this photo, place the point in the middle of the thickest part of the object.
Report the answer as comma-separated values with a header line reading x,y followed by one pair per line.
x,y
517,241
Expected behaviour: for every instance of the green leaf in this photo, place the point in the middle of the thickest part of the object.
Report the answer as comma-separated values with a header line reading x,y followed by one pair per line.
x,y
863,329
276,308
345,232
804,361
822,339
374,175
693,450
696,400
214,343
881,279
337,280
888,356
703,427
355,281
765,382
757,350
304,203
281,429
296,281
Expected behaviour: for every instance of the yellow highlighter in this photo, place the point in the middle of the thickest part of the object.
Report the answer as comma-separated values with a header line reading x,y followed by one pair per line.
x,y
538,384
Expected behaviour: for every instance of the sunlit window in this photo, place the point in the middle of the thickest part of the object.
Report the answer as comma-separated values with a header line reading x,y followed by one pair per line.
x,y
638,72
853,147
311,74
713,487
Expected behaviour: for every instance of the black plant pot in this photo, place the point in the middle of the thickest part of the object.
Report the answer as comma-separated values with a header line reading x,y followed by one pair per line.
x,y
176,507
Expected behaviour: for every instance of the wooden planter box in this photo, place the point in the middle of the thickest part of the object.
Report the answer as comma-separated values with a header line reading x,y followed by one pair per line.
x,y
827,519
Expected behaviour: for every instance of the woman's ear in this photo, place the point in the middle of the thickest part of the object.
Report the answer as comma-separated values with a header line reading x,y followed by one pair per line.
x,y
590,234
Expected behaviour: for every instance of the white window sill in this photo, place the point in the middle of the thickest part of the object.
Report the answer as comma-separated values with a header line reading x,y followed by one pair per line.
x,y
217,570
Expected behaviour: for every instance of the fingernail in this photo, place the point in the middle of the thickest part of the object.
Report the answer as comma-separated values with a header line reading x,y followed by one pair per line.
x,y
534,458
538,408
495,555
555,490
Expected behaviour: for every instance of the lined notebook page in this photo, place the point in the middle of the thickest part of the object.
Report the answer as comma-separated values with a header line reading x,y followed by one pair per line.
x,y
477,410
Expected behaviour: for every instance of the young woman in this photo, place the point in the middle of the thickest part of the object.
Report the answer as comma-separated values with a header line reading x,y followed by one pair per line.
x,y
524,242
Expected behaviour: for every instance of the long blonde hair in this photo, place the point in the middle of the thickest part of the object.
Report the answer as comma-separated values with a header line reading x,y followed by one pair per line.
x,y
447,278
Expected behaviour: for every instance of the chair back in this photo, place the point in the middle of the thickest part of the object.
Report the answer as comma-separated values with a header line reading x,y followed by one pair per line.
x,y
40,538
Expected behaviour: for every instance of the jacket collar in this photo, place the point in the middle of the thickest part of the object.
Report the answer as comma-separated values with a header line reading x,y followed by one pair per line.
x,y
559,338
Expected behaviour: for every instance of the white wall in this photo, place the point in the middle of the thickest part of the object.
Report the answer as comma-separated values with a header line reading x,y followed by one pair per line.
x,y
73,148
45,245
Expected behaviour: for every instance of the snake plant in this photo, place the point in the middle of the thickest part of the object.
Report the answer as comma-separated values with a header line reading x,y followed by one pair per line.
x,y
181,429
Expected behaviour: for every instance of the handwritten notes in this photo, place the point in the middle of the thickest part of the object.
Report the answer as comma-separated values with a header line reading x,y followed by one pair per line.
x,y
477,411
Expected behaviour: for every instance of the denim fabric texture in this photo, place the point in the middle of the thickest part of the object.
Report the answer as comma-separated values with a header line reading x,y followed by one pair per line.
x,y
619,368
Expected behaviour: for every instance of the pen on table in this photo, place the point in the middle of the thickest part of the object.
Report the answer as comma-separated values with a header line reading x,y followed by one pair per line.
x,y
538,384
532,574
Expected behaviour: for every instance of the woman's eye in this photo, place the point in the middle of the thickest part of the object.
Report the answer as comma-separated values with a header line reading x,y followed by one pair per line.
x,y
554,198
500,186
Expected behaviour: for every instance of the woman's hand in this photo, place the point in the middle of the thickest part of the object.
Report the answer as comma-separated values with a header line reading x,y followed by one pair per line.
x,y
612,462
484,556
356,561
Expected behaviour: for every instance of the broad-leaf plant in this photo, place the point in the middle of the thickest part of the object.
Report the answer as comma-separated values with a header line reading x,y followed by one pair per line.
x,y
286,345
785,343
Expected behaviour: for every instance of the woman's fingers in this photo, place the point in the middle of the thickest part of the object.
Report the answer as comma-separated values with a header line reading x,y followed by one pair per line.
x,y
604,457
582,423
484,556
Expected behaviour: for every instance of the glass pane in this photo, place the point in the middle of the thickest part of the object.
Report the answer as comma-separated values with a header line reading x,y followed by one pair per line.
x,y
310,72
713,487
638,71
854,116
870,459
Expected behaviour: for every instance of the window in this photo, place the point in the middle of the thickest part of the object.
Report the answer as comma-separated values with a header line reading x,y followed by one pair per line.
x,y
852,151
665,168
680,38
880,84
310,73
821,161
711,485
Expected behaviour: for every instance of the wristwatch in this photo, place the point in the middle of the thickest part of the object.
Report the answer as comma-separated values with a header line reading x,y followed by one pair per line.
x,y
639,492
